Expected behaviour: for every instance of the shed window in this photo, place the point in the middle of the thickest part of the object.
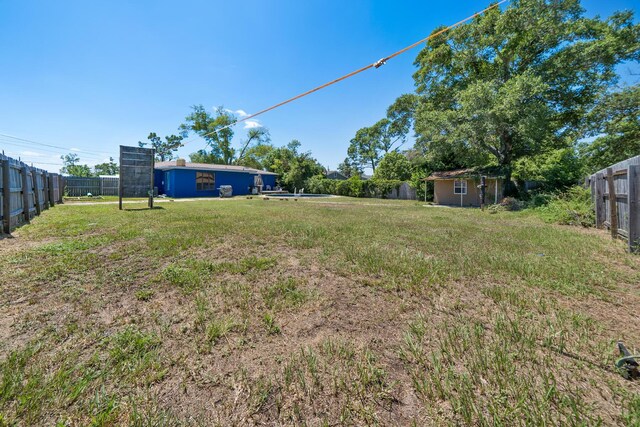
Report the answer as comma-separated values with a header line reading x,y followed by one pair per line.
x,y
459,186
205,181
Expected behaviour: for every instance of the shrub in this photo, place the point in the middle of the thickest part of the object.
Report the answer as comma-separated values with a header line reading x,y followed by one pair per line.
x,y
320,185
573,207
352,187
511,204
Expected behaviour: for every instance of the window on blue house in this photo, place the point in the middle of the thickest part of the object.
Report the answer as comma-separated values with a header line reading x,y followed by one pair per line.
x,y
205,181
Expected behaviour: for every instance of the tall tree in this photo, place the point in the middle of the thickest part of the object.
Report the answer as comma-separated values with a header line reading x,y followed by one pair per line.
x,y
370,144
71,166
256,155
616,122
212,128
164,149
393,166
106,168
517,82
292,166
349,168
255,137
364,149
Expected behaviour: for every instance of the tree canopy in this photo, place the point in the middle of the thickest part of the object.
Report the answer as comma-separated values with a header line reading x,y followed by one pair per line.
x,y
616,123
517,82
107,168
213,129
71,166
292,166
393,166
164,149
210,127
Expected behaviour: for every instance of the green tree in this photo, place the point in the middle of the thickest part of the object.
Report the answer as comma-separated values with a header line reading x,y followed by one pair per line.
x,y
518,82
255,137
393,166
213,129
204,156
617,122
164,149
554,170
255,156
349,168
71,166
292,166
371,143
106,168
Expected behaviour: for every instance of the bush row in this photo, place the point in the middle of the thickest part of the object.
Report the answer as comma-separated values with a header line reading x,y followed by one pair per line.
x,y
352,187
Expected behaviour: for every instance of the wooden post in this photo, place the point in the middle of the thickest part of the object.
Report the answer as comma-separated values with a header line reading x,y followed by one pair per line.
x,y
483,188
600,208
52,195
36,192
120,187
60,189
152,183
6,197
26,208
425,191
633,179
613,204
45,190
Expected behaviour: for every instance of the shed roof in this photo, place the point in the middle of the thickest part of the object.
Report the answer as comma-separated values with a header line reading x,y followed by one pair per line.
x,y
211,167
461,173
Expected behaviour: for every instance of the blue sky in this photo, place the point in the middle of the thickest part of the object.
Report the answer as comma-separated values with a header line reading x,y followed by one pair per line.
x,y
92,75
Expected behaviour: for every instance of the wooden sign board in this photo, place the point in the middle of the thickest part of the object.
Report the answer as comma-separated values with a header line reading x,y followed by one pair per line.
x,y
136,173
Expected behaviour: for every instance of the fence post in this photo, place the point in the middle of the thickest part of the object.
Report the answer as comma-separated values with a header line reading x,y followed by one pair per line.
x,y
26,208
36,192
60,189
483,189
613,204
45,189
600,210
633,179
52,194
6,197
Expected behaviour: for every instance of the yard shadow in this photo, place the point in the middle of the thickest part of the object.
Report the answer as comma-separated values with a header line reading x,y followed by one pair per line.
x,y
143,209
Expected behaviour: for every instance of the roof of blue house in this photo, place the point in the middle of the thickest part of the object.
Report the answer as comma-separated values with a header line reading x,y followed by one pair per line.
x,y
211,167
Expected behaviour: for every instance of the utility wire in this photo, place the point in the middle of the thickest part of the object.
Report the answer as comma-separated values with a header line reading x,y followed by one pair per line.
x,y
52,146
47,150
376,64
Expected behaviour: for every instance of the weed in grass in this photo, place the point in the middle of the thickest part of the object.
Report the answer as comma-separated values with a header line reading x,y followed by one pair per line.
x,y
243,266
351,379
284,294
186,279
219,328
133,354
270,324
144,294
470,359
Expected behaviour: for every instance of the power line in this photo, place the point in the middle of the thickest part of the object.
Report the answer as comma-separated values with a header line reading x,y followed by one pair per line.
x,y
23,145
49,145
376,64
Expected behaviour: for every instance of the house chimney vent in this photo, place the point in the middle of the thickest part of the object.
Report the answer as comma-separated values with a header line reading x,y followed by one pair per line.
x,y
181,162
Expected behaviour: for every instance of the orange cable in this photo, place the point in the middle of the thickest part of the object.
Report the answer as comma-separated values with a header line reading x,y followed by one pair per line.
x,y
376,64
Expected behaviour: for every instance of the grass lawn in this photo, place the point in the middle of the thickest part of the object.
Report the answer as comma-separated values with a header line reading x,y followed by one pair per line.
x,y
317,312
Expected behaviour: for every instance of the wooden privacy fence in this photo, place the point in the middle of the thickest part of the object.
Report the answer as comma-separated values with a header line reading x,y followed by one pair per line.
x,y
77,186
616,195
25,192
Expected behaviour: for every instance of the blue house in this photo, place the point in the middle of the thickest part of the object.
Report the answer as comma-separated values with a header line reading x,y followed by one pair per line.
x,y
178,178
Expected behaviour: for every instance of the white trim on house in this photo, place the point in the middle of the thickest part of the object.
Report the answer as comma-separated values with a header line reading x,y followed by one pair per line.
x,y
462,187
